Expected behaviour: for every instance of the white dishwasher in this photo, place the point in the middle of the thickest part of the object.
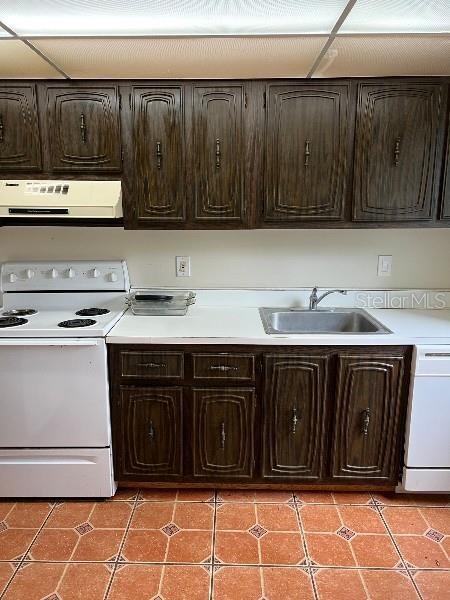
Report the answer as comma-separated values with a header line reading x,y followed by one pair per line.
x,y
427,450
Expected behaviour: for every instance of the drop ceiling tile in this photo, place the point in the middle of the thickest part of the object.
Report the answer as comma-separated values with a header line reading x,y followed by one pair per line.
x,y
184,57
399,16
17,61
170,17
371,56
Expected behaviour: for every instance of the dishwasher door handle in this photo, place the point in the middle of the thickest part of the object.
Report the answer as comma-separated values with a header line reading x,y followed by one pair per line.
x,y
432,361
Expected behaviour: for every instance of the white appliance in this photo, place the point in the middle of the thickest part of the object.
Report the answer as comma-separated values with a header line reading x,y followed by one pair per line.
x,y
55,434
62,199
427,450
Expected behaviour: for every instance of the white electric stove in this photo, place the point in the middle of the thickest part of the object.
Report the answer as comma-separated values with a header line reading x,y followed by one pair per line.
x,y
55,434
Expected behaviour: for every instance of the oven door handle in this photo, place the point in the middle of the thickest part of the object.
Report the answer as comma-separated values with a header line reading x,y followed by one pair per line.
x,y
48,342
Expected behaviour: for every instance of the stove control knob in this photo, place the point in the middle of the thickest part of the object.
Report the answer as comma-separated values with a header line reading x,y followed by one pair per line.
x,y
12,278
112,277
95,273
70,273
29,273
53,273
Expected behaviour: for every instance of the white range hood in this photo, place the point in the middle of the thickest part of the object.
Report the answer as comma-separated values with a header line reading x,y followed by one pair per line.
x,y
62,199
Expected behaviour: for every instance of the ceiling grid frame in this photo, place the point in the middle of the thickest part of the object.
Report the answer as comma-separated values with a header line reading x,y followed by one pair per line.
x,y
13,35
331,37
338,32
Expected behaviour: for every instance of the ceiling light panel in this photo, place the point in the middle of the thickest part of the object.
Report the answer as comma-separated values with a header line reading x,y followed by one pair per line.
x,y
371,56
398,16
170,17
216,57
17,61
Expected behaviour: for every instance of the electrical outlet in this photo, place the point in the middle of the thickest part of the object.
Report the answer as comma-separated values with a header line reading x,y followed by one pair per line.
x,y
384,266
183,266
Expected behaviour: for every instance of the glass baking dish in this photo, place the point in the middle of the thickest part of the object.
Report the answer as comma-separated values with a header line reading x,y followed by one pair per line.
x,y
160,302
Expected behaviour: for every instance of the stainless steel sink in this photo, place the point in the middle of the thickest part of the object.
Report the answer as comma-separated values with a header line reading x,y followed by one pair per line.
x,y
335,320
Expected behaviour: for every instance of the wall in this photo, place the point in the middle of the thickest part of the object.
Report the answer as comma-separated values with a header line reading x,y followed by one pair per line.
x,y
291,258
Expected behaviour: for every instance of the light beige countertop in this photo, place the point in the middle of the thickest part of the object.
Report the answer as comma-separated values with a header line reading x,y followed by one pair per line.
x,y
242,325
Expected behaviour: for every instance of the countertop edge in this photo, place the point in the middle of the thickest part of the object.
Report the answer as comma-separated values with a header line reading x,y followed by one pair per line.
x,y
391,340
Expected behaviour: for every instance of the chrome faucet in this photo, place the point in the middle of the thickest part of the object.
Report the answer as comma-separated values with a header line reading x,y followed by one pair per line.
x,y
314,299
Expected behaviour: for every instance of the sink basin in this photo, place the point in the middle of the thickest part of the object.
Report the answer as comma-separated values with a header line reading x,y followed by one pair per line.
x,y
338,320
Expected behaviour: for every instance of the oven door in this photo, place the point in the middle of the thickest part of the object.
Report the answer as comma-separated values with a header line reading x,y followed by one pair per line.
x,y
54,393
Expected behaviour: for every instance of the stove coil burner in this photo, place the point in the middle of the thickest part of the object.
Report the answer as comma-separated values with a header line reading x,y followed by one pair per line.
x,y
92,312
12,321
77,323
19,312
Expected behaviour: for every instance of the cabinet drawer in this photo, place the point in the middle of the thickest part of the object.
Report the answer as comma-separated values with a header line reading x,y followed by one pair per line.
x,y
152,365
224,366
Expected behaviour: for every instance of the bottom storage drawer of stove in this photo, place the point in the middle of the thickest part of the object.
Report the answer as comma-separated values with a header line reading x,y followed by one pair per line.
x,y
62,473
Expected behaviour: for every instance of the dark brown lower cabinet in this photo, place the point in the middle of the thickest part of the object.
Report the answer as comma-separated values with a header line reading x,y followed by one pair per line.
x,y
295,402
368,421
223,432
150,436
325,416
445,204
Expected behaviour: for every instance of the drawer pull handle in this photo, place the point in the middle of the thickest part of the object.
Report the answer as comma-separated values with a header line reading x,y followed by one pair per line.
x,y
158,155
218,153
151,431
152,365
223,435
365,414
437,354
1,128
294,421
307,152
222,368
397,152
82,128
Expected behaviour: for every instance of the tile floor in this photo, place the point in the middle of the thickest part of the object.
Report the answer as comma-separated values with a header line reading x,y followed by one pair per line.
x,y
227,545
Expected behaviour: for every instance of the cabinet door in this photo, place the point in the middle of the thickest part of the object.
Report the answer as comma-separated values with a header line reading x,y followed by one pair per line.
x,y
159,170
445,204
368,422
306,152
395,148
150,432
223,433
219,154
295,399
83,129
20,147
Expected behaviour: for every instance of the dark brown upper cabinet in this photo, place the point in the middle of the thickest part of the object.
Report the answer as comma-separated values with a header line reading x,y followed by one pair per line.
x,y
445,204
234,154
158,132
369,417
218,152
396,166
223,432
150,440
295,401
20,147
83,131
306,152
